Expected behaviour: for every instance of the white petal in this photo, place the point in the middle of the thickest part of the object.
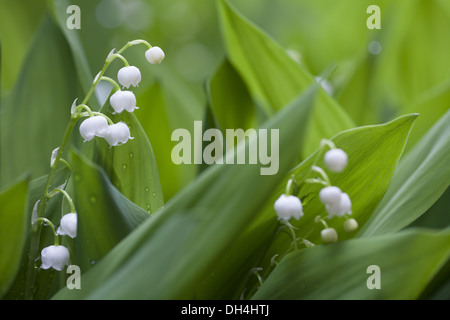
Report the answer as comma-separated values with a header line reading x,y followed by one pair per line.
x,y
336,160
92,126
288,207
128,76
330,195
68,225
123,100
61,257
116,134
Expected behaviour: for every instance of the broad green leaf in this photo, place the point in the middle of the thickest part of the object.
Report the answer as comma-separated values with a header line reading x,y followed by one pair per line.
x,y
422,176
132,167
230,100
406,260
274,78
373,152
154,116
17,27
431,105
105,216
404,70
169,254
40,100
437,216
12,232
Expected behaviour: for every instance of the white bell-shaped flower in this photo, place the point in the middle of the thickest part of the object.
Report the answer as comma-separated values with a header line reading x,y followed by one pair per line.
x,y
123,100
329,235
117,134
350,225
330,195
288,207
93,126
68,225
129,76
340,208
55,257
336,160
155,55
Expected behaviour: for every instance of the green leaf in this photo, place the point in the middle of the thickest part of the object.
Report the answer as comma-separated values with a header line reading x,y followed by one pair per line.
x,y
403,69
230,100
431,105
422,177
156,119
60,15
274,78
373,152
105,216
185,239
12,232
132,167
47,80
339,271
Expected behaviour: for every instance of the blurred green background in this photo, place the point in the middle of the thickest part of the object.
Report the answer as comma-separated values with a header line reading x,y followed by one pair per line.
x,y
376,74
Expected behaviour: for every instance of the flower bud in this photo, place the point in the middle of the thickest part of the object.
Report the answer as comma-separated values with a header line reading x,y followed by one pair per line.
x,y
68,225
336,160
329,235
288,207
350,225
128,76
123,100
55,257
92,127
117,134
155,55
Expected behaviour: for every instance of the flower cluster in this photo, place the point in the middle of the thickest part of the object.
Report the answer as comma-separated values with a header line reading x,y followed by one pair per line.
x,y
99,125
336,202
57,256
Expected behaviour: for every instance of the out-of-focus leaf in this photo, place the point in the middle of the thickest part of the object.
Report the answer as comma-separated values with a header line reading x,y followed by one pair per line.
x,y
17,27
339,271
105,216
230,100
185,239
40,100
422,176
431,105
274,78
60,15
373,153
12,232
402,74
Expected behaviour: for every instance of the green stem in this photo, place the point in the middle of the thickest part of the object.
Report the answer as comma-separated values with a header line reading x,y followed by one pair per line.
x,y
66,195
104,116
111,81
52,226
